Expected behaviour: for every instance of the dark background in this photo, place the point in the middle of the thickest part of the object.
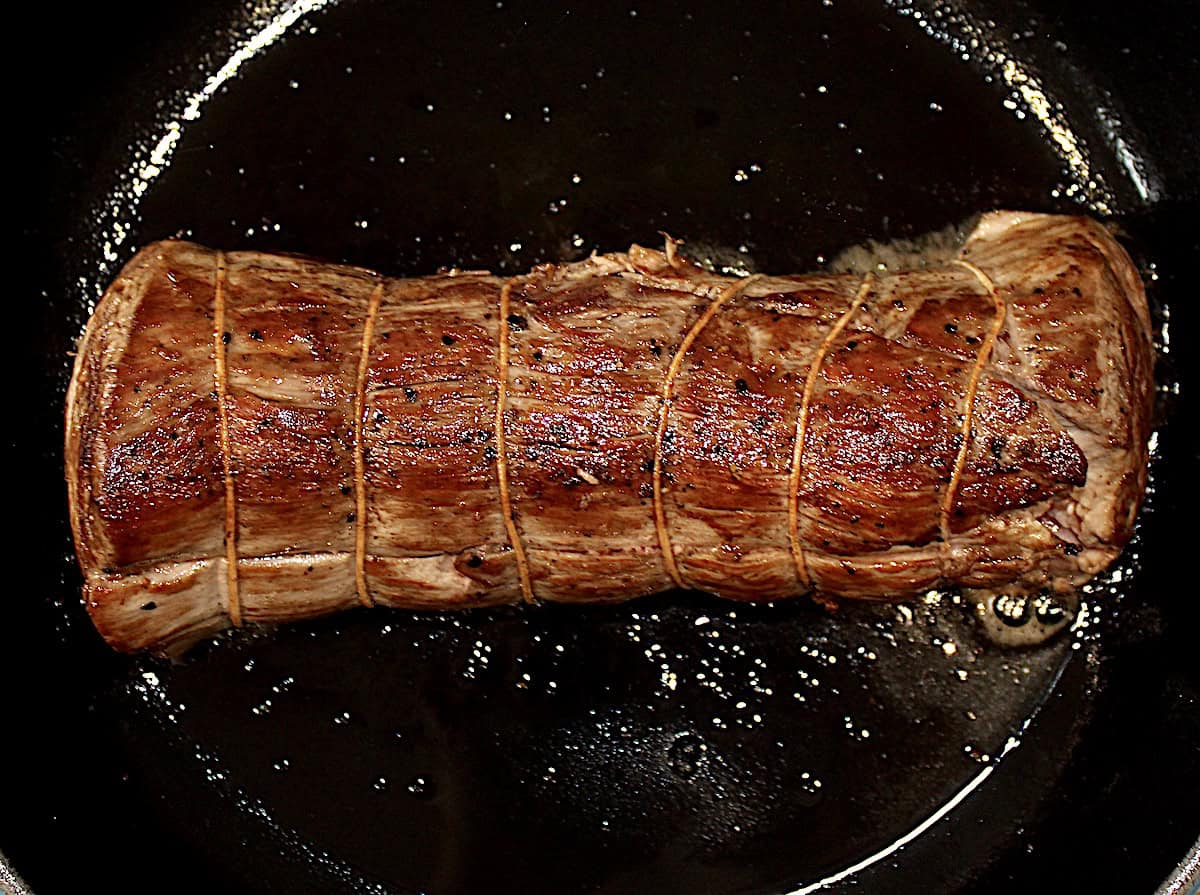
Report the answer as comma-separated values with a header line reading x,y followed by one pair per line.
x,y
1131,801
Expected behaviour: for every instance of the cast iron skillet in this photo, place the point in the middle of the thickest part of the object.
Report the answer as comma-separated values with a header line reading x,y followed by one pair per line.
x,y
677,744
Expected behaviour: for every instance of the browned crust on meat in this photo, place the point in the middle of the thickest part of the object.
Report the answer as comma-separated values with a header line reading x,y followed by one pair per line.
x,y
118,581
798,441
405,443
968,414
662,529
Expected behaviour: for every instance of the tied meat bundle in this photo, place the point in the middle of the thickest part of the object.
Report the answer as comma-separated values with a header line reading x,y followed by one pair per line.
x,y
260,438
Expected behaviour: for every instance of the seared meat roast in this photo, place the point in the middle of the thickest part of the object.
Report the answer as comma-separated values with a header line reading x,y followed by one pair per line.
x,y
257,438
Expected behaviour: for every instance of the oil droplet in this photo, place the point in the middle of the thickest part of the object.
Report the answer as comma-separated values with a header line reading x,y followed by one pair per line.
x,y
686,755
810,791
421,787
1013,620
1049,611
1012,611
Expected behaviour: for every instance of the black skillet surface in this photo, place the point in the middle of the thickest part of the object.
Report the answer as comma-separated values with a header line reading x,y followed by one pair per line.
x,y
673,745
